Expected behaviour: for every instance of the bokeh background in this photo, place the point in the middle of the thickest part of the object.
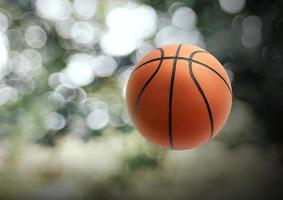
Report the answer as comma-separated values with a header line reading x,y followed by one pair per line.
x,y
64,129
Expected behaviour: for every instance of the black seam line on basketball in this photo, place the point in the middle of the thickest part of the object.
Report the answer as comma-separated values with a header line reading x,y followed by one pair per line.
x,y
170,131
194,61
213,70
202,94
149,61
156,59
147,83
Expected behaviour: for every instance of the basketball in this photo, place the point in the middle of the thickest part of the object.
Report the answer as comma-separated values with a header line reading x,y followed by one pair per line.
x,y
179,96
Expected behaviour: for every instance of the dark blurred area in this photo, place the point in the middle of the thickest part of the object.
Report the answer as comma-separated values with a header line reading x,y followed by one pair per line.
x,y
64,128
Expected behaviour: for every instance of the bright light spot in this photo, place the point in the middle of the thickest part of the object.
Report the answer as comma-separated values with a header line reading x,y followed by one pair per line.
x,y
232,6
128,26
8,94
184,18
3,53
63,27
80,70
144,21
171,35
98,119
4,22
85,9
35,36
252,34
140,21
54,121
104,65
119,43
119,18
83,32
53,9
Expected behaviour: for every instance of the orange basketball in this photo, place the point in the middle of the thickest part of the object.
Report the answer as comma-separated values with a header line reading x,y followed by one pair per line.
x,y
179,96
